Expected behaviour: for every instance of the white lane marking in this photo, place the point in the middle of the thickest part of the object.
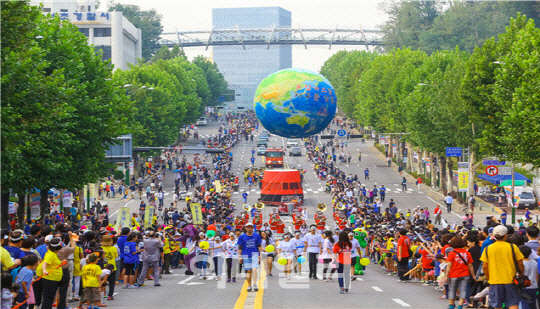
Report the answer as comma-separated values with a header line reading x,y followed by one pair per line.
x,y
376,289
402,303
186,280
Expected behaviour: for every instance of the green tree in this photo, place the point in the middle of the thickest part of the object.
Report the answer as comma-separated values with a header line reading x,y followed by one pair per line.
x,y
215,80
59,111
148,21
166,53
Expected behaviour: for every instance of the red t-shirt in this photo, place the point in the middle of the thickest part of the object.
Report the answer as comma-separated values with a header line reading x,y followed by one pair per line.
x,y
443,249
404,243
426,259
344,256
459,268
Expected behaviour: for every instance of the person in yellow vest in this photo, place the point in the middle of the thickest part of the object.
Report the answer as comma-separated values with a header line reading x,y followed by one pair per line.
x,y
77,270
154,221
51,272
135,220
166,256
111,254
175,250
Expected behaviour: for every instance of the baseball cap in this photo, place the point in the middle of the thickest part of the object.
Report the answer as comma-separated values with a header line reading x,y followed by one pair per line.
x,y
500,230
249,224
48,238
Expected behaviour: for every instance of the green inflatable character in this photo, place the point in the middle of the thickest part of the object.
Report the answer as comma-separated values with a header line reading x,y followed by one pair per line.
x,y
360,234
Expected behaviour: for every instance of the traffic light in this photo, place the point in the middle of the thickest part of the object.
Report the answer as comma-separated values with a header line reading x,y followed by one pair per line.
x,y
214,151
327,136
356,136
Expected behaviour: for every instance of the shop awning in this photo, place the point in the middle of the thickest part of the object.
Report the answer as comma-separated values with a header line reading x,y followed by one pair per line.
x,y
498,178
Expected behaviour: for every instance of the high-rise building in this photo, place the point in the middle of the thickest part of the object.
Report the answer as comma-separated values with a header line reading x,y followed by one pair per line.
x,y
111,32
245,69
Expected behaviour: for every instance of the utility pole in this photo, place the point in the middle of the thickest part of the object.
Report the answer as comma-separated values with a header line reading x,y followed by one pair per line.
x,y
513,190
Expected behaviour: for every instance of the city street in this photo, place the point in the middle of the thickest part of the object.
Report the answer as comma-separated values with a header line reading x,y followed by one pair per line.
x,y
373,290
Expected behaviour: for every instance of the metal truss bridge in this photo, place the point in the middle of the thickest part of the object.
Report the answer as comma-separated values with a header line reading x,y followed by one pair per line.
x,y
271,36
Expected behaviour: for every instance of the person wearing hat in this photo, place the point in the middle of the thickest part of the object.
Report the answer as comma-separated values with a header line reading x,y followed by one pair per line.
x,y
250,250
111,254
51,272
313,247
499,267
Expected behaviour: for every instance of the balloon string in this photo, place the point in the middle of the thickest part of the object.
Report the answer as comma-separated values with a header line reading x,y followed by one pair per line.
x,y
61,264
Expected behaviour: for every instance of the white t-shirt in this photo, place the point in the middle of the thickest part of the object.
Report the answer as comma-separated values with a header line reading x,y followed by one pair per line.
x,y
299,244
231,248
218,251
355,246
105,272
287,249
264,244
313,242
327,245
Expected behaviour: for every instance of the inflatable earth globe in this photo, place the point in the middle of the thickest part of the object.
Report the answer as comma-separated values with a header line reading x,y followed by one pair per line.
x,y
295,103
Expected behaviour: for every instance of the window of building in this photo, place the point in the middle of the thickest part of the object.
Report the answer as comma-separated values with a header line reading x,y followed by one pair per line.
x,y
85,31
63,10
89,8
83,8
106,52
102,32
47,10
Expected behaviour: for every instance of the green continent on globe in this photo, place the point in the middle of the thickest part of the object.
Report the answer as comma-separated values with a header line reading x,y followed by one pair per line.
x,y
299,120
271,88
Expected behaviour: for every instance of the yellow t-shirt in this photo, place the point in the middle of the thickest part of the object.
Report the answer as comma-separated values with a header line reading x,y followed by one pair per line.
x,y
500,262
77,261
166,248
5,259
52,260
90,277
111,253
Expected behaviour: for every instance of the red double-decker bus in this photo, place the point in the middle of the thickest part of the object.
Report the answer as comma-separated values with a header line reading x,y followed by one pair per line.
x,y
273,157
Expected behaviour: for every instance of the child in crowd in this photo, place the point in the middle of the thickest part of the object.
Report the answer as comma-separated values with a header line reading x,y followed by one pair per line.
x,y
25,278
91,281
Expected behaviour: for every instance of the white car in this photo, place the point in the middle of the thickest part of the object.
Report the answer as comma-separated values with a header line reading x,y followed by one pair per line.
x,y
202,121
292,143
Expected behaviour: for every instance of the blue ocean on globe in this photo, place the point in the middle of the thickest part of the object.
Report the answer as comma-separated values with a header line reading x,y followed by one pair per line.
x,y
295,103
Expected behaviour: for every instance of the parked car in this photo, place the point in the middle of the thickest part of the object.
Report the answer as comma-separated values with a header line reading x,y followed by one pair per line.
x,y
261,151
295,151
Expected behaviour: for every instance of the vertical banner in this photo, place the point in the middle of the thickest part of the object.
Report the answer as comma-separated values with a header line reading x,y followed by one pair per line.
x,y
123,218
196,211
12,208
35,205
92,190
217,183
131,168
66,199
148,215
463,176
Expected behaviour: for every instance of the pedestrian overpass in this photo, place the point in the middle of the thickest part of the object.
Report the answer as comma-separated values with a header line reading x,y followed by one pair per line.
x,y
272,36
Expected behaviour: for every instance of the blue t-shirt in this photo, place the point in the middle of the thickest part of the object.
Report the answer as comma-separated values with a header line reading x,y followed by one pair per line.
x,y
129,249
250,244
121,243
73,211
42,250
15,252
244,195
25,275
366,172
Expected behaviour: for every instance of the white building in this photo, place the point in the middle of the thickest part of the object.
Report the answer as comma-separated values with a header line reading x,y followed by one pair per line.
x,y
119,39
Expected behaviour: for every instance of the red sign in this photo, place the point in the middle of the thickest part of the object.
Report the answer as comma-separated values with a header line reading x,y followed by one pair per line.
x,y
492,170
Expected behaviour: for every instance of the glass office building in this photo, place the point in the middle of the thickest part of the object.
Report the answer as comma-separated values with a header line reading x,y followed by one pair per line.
x,y
245,69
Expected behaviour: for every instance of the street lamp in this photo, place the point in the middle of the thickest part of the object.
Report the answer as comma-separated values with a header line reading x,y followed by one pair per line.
x,y
128,85
499,62
422,84
108,79
39,37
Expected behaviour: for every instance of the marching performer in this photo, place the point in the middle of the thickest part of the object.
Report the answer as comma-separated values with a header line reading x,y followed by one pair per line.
x,y
239,222
274,216
298,221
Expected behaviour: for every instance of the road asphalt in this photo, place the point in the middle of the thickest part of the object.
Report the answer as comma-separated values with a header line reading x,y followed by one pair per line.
x,y
375,289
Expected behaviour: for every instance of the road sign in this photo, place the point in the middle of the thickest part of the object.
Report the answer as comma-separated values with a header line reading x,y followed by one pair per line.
x,y
341,133
505,170
492,162
453,151
492,170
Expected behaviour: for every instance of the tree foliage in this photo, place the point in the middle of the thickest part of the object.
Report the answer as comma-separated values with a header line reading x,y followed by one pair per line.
x,y
148,21
215,80
434,25
58,111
